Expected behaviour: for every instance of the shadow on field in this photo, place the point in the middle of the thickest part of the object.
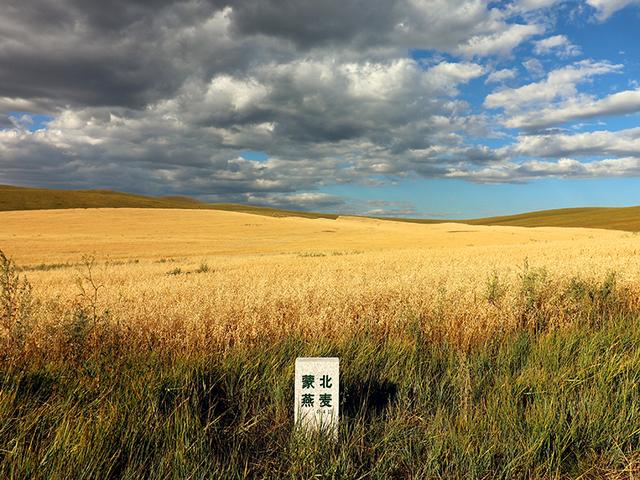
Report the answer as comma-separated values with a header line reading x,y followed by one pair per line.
x,y
37,386
206,394
368,396
228,412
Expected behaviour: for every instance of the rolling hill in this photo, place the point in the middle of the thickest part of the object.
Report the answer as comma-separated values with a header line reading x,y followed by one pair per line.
x,y
620,218
25,198
610,218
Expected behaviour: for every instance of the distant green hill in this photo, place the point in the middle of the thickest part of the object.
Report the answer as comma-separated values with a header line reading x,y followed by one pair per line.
x,y
611,218
614,218
24,198
20,198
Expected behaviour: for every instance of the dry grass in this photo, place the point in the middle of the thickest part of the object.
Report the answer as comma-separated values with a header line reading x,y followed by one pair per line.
x,y
64,235
184,277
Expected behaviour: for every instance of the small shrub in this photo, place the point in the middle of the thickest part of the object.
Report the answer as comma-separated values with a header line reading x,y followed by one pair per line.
x,y
591,300
86,315
175,271
607,289
533,282
78,328
496,290
15,300
46,267
89,288
203,268
165,260
577,290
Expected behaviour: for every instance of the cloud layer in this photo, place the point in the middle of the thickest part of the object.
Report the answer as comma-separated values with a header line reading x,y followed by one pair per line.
x,y
164,97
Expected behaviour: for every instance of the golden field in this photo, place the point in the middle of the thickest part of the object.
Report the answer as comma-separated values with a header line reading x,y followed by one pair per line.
x,y
161,344
189,277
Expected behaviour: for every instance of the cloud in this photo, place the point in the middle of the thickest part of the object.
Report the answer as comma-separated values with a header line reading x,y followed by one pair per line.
x,y
500,76
603,142
446,25
502,42
606,8
556,99
557,44
446,76
560,83
90,53
510,172
530,5
583,107
323,100
164,97
311,201
84,54
384,208
534,67
318,120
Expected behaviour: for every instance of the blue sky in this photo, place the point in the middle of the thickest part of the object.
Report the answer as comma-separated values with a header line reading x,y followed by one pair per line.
x,y
29,120
423,108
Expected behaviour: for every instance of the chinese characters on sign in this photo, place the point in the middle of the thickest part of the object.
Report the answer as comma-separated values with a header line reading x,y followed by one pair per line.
x,y
317,393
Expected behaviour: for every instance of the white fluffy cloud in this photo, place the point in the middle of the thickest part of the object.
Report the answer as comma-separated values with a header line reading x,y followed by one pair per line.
x,y
602,142
556,99
560,83
606,8
529,5
534,67
557,44
502,42
499,76
562,168
582,107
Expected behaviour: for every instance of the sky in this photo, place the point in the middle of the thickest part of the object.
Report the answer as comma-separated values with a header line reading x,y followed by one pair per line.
x,y
417,108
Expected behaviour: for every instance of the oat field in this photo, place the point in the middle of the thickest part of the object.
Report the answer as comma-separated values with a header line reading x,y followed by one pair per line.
x,y
191,320
230,277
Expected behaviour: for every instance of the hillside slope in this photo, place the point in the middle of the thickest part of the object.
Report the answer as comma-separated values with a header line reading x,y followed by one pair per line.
x,y
23,198
621,218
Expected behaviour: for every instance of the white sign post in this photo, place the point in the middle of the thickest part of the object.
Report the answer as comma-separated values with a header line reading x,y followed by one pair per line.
x,y
317,393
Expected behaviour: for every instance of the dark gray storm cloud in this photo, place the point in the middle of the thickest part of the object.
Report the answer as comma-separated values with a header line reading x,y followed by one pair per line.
x,y
57,53
131,53
330,22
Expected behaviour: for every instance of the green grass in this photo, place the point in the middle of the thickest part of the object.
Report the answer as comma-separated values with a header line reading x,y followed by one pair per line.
x,y
21,198
557,405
